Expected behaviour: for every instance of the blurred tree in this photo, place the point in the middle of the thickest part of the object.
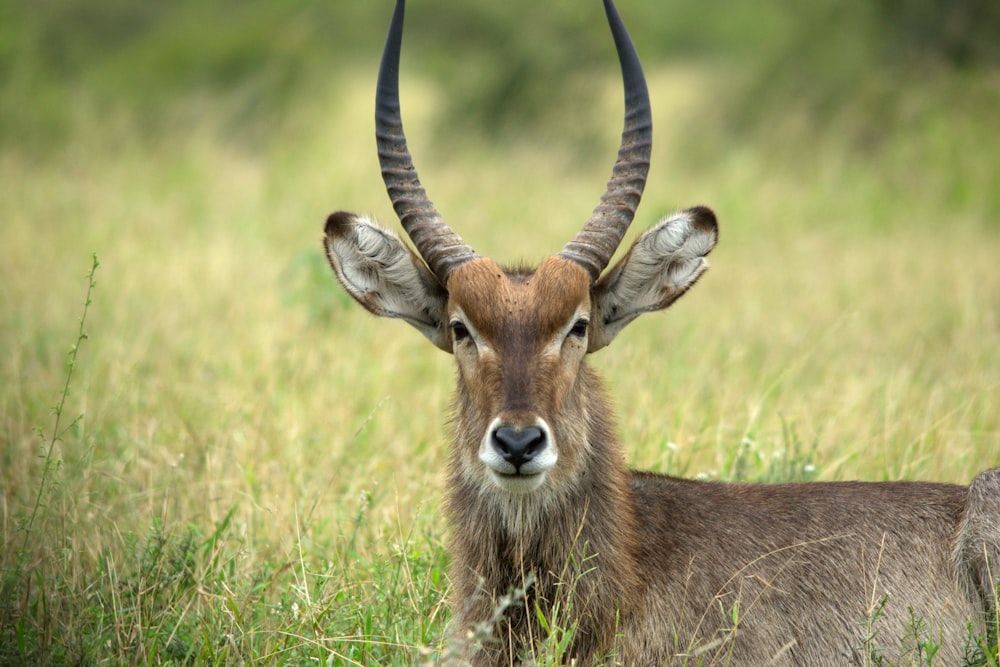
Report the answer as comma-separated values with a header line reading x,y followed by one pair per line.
x,y
959,33
505,65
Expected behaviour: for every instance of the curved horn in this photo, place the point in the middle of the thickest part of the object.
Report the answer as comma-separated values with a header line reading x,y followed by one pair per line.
x,y
441,248
594,245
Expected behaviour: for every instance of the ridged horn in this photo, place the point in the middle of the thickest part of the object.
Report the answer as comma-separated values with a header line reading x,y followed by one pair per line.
x,y
441,248
594,245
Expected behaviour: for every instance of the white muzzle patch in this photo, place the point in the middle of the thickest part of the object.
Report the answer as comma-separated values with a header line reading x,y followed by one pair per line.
x,y
527,477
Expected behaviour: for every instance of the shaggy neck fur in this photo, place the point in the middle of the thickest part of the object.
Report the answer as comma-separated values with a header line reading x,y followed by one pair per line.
x,y
576,542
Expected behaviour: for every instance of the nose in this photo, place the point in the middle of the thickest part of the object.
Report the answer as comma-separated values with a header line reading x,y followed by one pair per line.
x,y
517,446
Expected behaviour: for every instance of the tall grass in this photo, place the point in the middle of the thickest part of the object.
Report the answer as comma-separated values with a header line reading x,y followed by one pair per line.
x,y
257,470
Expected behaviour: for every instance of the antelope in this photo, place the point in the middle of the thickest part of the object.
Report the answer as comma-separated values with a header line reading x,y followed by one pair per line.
x,y
546,520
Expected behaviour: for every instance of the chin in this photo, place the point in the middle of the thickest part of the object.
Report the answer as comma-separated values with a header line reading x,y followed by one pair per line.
x,y
518,484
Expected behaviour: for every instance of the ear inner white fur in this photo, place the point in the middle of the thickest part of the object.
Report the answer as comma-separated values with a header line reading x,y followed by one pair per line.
x,y
386,277
662,264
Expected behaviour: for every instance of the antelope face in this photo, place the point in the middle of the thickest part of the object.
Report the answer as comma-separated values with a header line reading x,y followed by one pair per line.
x,y
519,337
519,340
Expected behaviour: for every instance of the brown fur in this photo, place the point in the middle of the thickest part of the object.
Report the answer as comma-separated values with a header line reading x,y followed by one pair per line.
x,y
652,566
649,569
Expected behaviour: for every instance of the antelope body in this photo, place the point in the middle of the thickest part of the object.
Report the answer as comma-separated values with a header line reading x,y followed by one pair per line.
x,y
646,569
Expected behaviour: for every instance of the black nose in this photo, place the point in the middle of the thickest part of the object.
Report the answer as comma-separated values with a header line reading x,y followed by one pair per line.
x,y
518,446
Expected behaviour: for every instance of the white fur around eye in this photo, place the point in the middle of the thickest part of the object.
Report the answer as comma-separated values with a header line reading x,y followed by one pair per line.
x,y
557,342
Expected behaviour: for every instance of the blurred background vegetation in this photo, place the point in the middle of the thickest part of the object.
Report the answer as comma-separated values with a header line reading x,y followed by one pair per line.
x,y
788,73
506,65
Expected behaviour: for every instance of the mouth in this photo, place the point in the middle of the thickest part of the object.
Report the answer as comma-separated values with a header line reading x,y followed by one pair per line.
x,y
518,482
516,474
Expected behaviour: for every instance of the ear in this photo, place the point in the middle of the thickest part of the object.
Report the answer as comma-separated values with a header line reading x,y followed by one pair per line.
x,y
385,276
661,265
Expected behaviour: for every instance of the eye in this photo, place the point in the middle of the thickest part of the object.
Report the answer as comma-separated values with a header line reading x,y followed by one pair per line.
x,y
459,331
580,327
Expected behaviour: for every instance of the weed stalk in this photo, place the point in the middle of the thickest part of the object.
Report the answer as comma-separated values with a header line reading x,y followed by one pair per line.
x,y
59,408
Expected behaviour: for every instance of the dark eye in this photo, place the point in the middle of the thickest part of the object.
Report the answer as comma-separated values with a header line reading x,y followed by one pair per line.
x,y
459,331
580,328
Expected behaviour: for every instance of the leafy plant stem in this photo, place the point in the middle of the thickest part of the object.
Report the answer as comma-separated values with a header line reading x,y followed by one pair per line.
x,y
58,410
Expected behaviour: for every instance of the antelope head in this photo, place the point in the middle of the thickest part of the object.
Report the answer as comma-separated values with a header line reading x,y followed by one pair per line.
x,y
525,401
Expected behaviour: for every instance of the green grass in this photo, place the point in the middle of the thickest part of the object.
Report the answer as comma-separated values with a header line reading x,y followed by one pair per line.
x,y
256,474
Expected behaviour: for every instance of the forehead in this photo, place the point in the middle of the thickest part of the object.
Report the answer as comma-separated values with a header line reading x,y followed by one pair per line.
x,y
541,301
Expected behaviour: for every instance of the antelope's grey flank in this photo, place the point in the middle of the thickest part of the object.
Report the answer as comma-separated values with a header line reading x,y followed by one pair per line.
x,y
648,569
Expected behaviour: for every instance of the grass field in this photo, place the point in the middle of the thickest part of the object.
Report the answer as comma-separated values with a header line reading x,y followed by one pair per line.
x,y
248,468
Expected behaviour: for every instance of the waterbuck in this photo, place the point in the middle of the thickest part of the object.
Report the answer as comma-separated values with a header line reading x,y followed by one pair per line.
x,y
644,569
